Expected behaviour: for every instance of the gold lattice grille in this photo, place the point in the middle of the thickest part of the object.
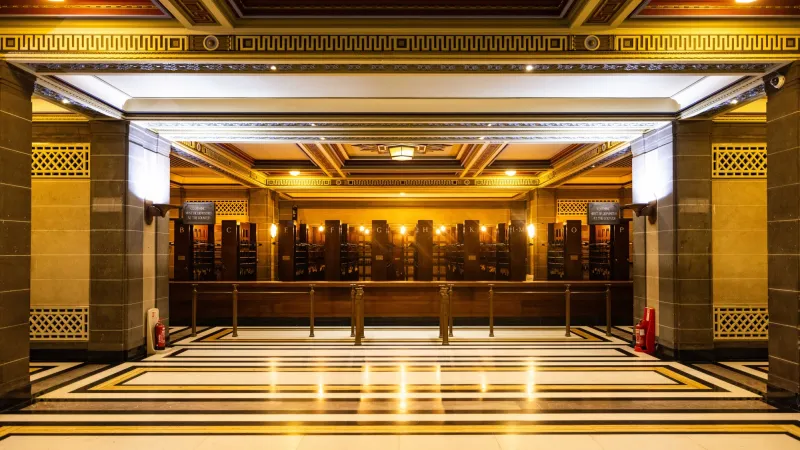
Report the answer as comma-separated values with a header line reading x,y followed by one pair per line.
x,y
577,207
741,322
59,324
227,207
739,161
60,161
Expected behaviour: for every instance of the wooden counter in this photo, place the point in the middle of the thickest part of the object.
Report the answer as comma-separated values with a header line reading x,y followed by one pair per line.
x,y
402,302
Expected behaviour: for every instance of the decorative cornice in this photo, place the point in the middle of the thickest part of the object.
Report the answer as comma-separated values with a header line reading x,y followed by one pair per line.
x,y
733,97
682,47
682,68
219,160
521,182
741,118
196,12
73,99
65,117
599,155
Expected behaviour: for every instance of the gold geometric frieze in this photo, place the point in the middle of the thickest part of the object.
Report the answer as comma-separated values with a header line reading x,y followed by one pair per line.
x,y
227,207
59,324
577,207
738,322
739,160
645,46
60,160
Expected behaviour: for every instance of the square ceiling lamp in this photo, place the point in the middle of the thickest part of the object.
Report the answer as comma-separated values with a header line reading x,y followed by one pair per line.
x,y
401,152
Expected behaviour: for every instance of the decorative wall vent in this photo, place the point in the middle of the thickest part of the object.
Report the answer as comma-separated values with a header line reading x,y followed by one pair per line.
x,y
576,207
59,324
60,161
227,207
741,322
739,160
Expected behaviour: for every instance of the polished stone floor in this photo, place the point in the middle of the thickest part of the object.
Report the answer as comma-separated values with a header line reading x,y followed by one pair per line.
x,y
277,388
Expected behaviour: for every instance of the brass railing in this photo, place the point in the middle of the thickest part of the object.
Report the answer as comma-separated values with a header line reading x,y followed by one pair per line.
x,y
357,291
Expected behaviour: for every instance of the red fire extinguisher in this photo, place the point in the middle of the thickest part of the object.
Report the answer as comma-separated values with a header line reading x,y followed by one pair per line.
x,y
160,336
645,332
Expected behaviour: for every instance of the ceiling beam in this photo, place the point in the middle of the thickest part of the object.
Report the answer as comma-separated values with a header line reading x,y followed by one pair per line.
x,y
627,9
583,10
588,159
220,160
736,95
322,156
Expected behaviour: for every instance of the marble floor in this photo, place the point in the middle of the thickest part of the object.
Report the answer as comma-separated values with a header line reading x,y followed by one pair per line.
x,y
277,388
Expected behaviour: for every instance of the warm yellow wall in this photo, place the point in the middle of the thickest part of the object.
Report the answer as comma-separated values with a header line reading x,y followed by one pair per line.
x,y
60,242
739,241
440,214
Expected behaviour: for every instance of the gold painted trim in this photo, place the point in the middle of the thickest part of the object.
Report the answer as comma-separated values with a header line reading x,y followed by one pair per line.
x,y
398,428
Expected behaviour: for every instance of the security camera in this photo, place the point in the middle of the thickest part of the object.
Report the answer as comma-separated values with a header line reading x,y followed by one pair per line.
x,y
777,81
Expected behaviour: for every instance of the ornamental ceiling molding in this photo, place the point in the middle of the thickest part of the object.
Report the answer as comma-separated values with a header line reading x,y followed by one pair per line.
x,y
267,136
733,97
220,161
602,154
323,124
215,68
73,99
405,183
686,47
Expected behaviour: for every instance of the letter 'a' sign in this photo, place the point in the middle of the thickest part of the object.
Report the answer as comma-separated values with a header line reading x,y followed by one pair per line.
x,y
606,213
199,213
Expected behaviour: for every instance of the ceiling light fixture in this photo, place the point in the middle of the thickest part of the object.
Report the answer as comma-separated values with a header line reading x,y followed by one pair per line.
x,y
402,194
273,68
294,173
321,228
322,138
483,228
511,172
529,68
313,124
65,101
734,101
401,152
482,138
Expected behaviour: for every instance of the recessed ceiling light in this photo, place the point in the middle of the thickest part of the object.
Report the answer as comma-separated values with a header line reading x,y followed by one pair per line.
x,y
734,101
322,138
402,194
273,68
489,125
65,101
481,138
313,124
511,172
294,173
529,68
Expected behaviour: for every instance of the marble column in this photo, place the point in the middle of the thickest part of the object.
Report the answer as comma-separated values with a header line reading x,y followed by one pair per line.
x,y
672,258
129,259
783,232
16,88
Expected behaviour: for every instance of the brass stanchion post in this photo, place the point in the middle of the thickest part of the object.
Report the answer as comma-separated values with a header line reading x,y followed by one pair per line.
x,y
450,310
311,312
491,311
352,310
443,319
359,314
194,310
235,310
608,310
567,295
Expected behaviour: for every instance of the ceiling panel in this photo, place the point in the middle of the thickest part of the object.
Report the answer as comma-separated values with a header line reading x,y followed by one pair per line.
x,y
83,8
269,8
400,86
523,152
261,151
718,8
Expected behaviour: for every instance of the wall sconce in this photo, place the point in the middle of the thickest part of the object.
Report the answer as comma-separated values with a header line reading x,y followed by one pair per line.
x,y
321,228
438,231
361,228
483,228
403,230
152,210
273,231
366,231
442,228
649,210
531,231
